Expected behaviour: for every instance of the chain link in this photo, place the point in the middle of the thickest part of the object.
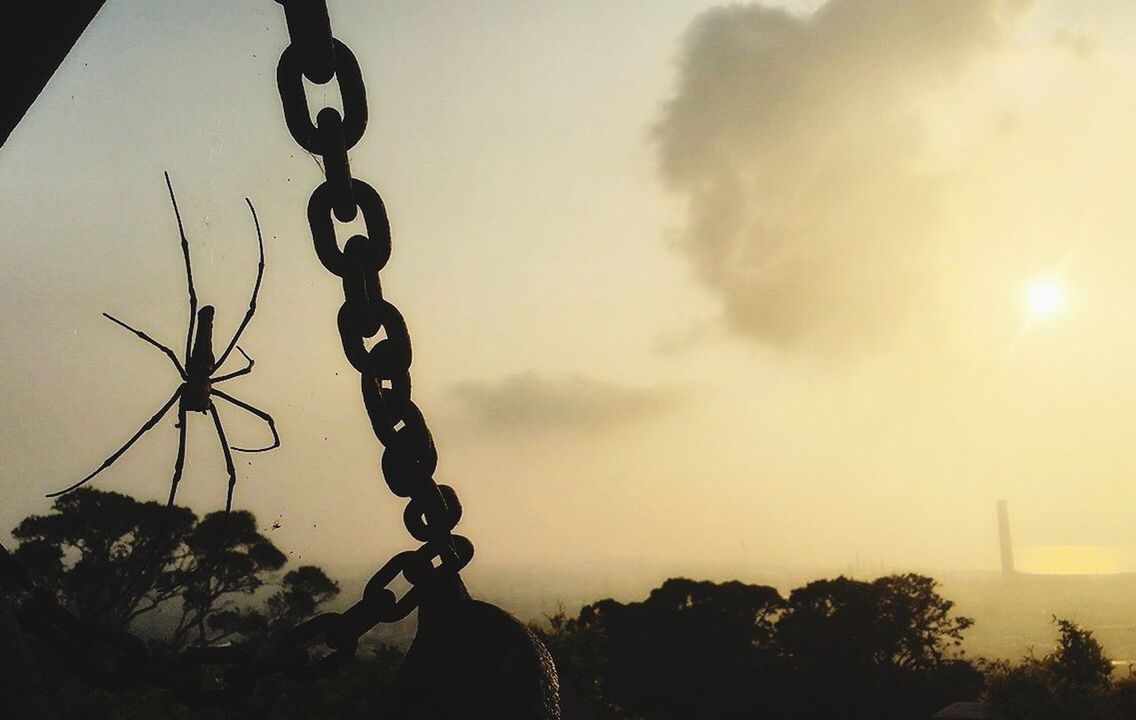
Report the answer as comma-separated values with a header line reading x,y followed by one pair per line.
x,y
214,676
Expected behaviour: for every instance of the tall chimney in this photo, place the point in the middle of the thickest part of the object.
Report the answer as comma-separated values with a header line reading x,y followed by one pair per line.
x,y
1004,539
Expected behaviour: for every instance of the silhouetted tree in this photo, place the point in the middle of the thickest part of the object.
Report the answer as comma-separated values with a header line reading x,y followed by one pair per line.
x,y
690,650
302,591
581,661
112,558
878,648
1079,658
229,557
92,551
897,621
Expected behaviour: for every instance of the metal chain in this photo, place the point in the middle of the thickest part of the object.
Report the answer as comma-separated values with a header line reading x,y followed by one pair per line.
x,y
215,676
409,456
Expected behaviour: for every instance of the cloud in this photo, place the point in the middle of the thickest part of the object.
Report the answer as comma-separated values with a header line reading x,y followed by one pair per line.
x,y
1080,45
798,140
529,401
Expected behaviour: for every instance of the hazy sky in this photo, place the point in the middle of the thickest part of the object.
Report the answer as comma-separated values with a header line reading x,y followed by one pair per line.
x,y
686,283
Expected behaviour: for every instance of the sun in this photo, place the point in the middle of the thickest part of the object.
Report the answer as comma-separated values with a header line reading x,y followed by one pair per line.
x,y
1045,297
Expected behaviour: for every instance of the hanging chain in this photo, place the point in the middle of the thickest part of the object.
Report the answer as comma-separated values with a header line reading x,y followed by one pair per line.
x,y
215,676
409,456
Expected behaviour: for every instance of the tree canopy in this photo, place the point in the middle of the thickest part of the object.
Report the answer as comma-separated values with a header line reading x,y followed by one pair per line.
x,y
112,558
897,621
833,648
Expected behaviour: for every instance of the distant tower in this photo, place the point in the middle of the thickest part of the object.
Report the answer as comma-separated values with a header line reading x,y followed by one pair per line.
x,y
1004,539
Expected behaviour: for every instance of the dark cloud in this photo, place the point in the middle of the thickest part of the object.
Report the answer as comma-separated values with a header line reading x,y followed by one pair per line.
x,y
527,401
799,144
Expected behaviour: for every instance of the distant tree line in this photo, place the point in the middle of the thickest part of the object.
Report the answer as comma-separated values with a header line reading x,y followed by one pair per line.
x,y
836,648
833,649
882,650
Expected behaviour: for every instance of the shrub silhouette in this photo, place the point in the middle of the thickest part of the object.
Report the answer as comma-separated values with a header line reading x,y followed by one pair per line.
x,y
1071,683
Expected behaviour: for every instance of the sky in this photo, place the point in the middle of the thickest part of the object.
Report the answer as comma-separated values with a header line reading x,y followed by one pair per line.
x,y
688,283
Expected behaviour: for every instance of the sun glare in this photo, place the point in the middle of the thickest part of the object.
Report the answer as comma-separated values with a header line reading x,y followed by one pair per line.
x,y
1045,297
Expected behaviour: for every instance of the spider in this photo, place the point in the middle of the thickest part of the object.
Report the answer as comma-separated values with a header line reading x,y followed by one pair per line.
x,y
197,389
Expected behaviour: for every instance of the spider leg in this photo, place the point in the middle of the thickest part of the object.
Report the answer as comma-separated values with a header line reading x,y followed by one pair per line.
x,y
152,341
150,550
255,289
179,463
228,458
118,453
243,371
188,269
255,411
